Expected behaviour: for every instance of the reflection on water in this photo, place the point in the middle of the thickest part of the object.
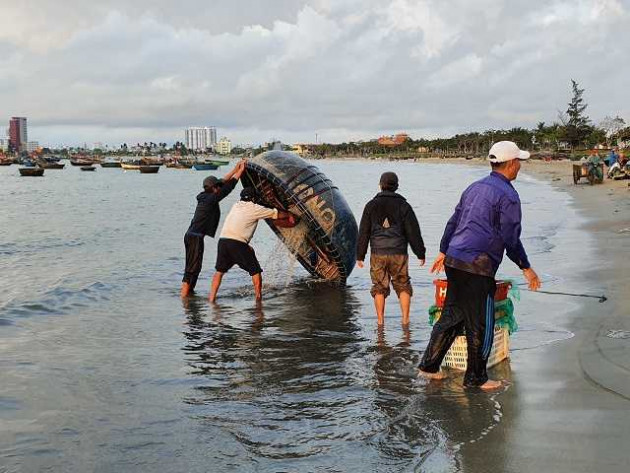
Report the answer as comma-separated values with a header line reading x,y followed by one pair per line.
x,y
103,367
299,381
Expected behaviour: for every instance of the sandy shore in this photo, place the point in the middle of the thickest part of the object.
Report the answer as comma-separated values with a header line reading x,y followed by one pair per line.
x,y
573,415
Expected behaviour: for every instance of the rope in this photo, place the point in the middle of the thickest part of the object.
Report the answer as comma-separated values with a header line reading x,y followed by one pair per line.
x,y
601,298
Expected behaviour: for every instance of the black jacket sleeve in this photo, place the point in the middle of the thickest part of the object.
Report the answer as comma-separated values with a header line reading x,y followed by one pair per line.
x,y
364,233
226,188
414,236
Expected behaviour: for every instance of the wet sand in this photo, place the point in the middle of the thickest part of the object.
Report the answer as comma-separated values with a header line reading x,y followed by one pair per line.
x,y
573,414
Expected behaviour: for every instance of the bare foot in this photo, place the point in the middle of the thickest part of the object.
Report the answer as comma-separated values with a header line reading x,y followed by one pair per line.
x,y
427,375
491,384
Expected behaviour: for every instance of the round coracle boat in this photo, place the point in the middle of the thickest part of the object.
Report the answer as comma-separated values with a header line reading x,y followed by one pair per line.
x,y
324,240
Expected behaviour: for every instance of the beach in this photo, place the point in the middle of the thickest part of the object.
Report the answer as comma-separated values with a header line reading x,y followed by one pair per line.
x,y
106,369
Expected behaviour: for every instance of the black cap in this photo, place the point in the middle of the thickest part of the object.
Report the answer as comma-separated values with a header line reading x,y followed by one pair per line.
x,y
389,181
249,194
211,181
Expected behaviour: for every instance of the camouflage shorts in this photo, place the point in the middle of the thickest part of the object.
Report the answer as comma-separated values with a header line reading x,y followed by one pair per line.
x,y
386,269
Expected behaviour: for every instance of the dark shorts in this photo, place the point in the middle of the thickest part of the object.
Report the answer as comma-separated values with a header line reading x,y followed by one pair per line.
x,y
386,269
234,252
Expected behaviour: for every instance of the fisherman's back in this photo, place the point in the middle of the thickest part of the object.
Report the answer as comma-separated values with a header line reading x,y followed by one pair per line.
x,y
478,236
390,225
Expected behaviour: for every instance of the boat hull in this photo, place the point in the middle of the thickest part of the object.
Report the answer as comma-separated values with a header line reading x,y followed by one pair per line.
x,y
205,167
325,239
32,171
149,169
81,162
130,167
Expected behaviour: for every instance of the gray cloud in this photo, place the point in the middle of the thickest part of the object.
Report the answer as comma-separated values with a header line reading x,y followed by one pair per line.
x,y
128,71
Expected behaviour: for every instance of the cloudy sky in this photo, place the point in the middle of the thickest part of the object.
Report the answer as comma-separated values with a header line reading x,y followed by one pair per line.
x,y
117,71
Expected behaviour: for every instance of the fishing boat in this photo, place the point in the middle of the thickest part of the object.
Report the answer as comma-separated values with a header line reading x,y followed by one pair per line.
x,y
50,163
130,166
325,239
205,166
53,165
31,171
179,164
81,162
88,168
110,163
220,162
149,169
5,162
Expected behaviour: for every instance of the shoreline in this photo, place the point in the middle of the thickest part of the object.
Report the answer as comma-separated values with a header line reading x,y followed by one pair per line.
x,y
604,355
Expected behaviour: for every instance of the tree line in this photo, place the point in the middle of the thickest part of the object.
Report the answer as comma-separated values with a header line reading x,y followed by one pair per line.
x,y
573,130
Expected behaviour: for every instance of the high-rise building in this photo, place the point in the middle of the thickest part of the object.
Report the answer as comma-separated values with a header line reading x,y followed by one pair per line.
x,y
18,136
224,146
200,138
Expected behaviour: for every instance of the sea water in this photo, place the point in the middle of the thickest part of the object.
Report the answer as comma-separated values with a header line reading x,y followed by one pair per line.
x,y
104,368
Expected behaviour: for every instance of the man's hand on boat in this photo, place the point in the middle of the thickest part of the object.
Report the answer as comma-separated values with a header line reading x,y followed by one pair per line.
x,y
286,220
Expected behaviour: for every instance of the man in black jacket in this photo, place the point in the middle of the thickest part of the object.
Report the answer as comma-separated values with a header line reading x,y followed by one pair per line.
x,y
205,222
389,224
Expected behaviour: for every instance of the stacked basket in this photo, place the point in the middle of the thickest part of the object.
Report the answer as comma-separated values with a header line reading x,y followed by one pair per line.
x,y
456,357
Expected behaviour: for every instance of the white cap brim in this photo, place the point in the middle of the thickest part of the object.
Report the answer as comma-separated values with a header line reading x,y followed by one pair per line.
x,y
522,156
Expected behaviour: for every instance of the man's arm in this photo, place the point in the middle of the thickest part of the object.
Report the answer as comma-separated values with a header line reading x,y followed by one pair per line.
x,y
365,228
510,221
414,235
227,187
510,228
451,225
231,178
237,171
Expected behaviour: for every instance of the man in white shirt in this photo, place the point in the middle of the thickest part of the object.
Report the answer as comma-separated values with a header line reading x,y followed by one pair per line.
x,y
238,230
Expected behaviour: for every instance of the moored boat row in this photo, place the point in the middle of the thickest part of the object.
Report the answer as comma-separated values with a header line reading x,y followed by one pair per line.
x,y
147,165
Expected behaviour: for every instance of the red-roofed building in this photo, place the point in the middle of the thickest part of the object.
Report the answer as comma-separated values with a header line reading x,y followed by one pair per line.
x,y
395,140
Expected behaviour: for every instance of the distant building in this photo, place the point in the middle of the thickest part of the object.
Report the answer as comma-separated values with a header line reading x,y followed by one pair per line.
x,y
18,136
224,146
301,149
395,140
32,146
200,138
4,144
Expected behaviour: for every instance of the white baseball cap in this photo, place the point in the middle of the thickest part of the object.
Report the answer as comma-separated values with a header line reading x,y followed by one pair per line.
x,y
504,151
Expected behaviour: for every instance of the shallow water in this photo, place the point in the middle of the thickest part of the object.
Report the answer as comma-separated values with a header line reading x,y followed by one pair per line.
x,y
103,368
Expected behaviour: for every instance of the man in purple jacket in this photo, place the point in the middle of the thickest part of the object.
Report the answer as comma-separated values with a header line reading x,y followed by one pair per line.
x,y
486,222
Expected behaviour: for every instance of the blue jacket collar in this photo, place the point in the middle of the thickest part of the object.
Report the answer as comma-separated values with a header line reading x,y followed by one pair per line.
x,y
500,176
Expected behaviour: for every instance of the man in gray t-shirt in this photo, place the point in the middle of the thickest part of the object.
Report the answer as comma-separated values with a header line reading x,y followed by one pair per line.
x,y
238,230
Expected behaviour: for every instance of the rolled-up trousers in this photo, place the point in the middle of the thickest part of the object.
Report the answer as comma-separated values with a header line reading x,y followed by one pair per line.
x,y
469,307
194,258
